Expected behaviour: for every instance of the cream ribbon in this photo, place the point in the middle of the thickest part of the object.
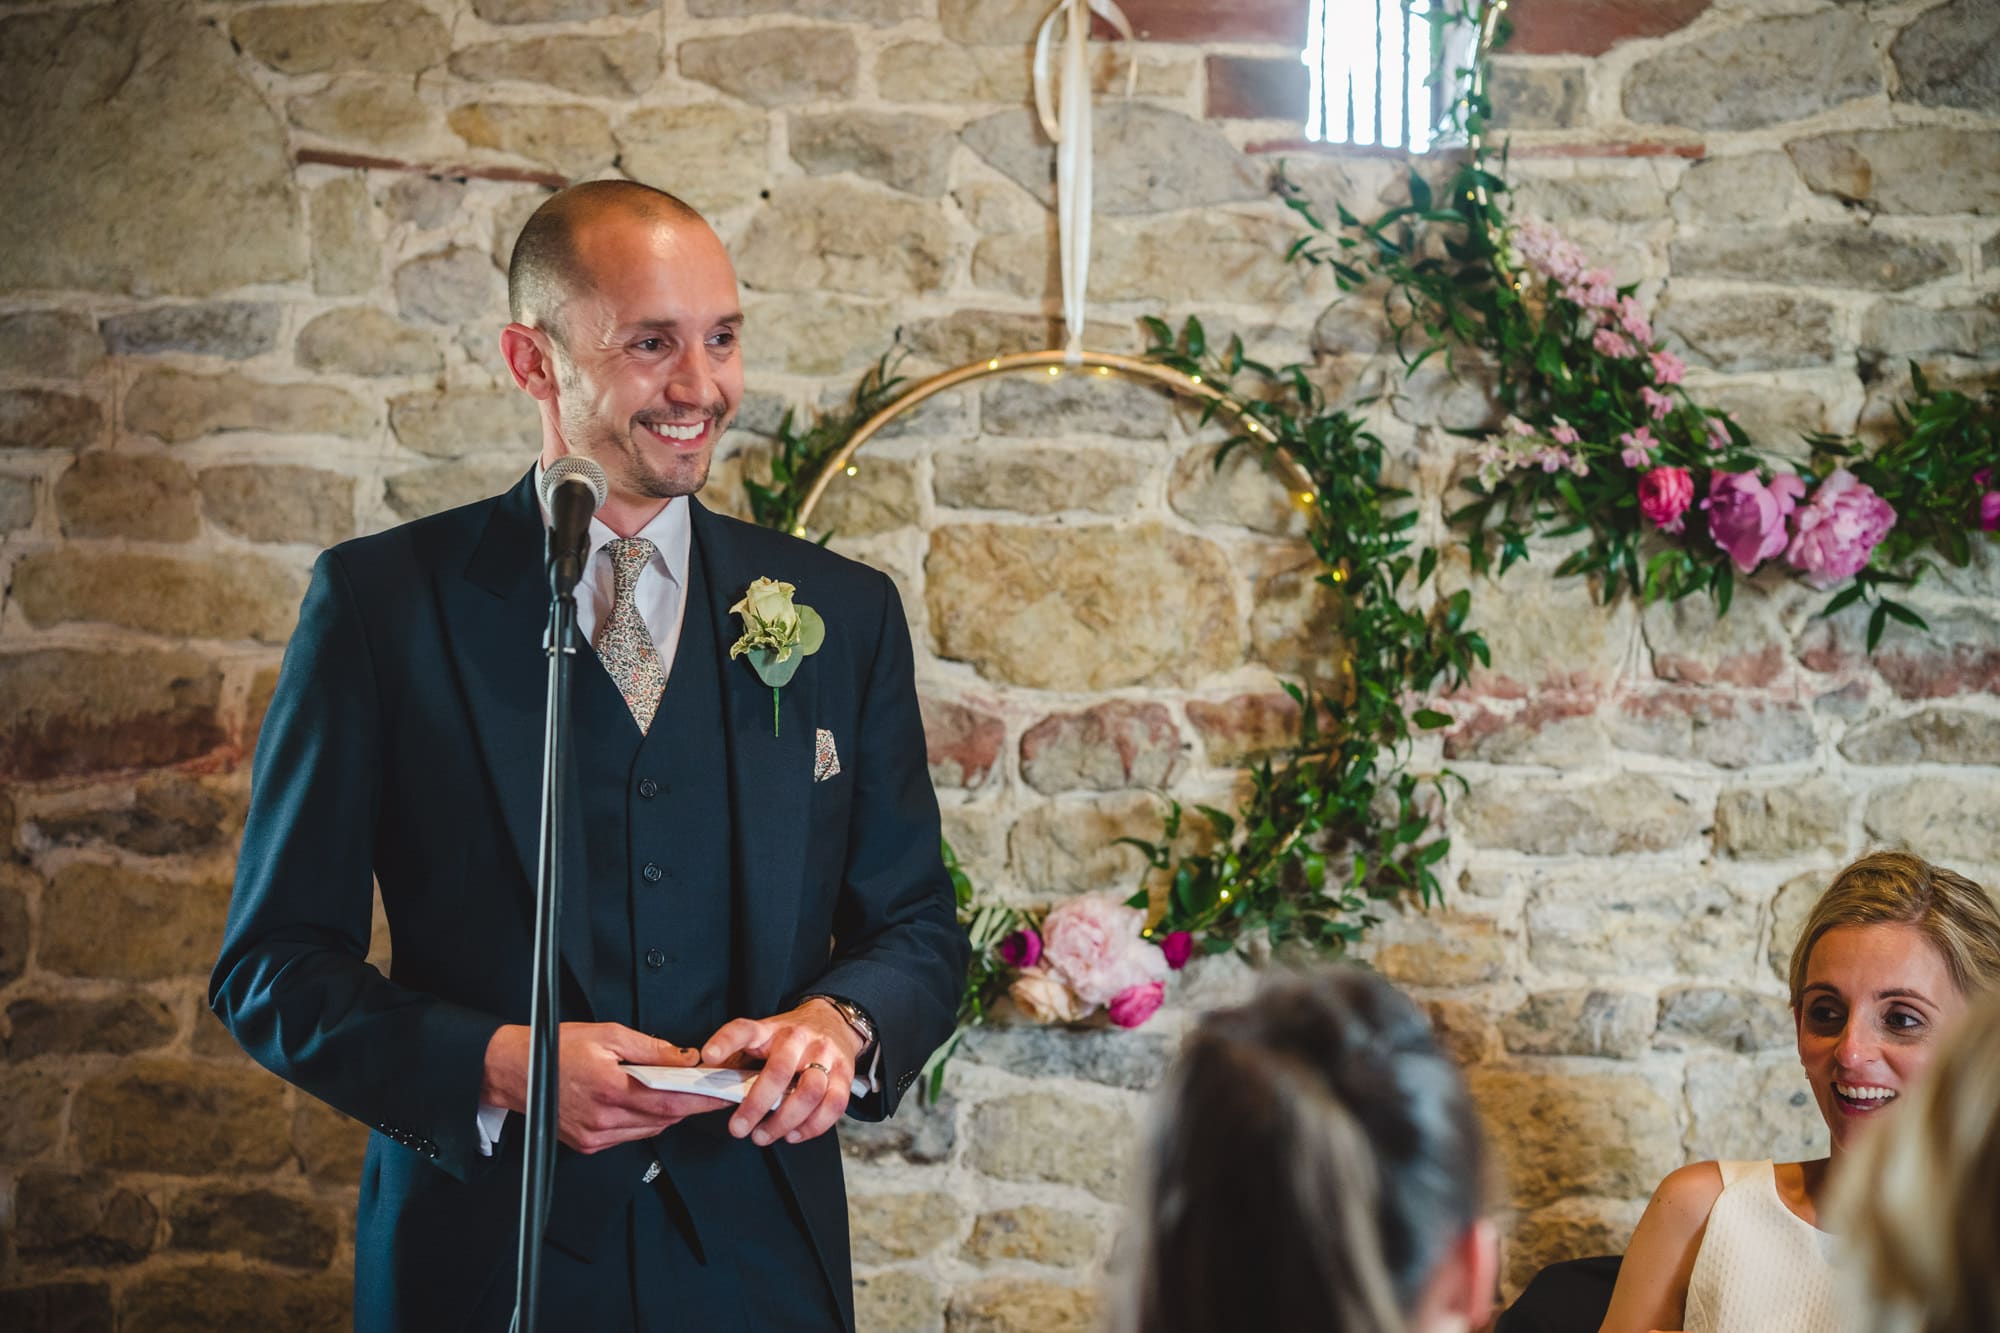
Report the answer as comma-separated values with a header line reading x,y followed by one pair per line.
x,y
1069,130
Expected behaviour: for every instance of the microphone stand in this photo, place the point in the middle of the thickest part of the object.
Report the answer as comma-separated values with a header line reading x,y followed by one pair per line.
x,y
538,1164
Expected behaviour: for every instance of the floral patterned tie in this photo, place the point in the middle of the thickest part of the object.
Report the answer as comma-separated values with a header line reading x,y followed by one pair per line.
x,y
623,642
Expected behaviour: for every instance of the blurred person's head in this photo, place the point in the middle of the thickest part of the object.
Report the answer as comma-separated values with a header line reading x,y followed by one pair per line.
x,y
1919,1205
1888,959
1314,1163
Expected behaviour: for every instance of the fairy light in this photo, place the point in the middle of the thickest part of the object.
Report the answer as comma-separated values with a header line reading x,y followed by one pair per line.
x,y
1195,379
1104,370
1225,895
1054,371
798,530
852,469
994,364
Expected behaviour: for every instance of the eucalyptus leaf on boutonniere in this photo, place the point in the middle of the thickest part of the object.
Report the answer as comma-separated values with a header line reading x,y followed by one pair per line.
x,y
778,634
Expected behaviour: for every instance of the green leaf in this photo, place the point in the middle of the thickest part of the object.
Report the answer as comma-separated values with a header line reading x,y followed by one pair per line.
x,y
1876,623
1420,193
812,631
1197,341
1897,611
1430,719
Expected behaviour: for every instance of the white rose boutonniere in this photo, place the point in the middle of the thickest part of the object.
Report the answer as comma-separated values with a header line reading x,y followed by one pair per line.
x,y
778,634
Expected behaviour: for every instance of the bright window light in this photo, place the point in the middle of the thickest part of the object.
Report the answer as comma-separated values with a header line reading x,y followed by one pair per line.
x,y
1370,67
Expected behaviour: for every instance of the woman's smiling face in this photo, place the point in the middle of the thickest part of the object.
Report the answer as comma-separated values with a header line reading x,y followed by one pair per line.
x,y
1875,1000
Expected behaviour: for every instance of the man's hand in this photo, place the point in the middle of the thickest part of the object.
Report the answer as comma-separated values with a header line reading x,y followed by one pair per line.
x,y
599,1103
808,1058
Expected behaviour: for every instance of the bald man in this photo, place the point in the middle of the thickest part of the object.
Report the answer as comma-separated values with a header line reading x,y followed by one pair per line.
x,y
744,888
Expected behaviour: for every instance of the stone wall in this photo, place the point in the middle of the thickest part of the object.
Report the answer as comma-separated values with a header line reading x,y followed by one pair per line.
x,y
248,296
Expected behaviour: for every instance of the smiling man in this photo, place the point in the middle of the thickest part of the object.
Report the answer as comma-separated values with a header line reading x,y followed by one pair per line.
x,y
737,893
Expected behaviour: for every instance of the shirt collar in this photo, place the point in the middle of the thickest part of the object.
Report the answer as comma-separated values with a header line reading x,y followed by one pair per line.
x,y
669,531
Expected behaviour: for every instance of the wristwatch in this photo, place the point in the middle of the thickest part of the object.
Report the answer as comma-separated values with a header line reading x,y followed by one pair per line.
x,y
857,1018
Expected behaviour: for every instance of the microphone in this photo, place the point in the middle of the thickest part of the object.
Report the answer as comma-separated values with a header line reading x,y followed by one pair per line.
x,y
572,488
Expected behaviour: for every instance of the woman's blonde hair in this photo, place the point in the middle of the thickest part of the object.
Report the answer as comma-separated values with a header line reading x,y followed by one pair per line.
x,y
1896,888
1918,1200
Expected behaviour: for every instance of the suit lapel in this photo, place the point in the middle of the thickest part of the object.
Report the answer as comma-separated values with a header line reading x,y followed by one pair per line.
x,y
769,776
496,615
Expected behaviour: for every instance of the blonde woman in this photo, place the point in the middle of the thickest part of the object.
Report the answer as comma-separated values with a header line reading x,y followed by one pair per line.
x,y
1888,961
1919,1206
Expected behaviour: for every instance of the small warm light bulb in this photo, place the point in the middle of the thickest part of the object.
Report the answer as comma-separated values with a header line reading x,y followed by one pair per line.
x,y
1305,497
1225,895
1054,371
852,469
1195,378
1340,576
1104,370
994,364
799,530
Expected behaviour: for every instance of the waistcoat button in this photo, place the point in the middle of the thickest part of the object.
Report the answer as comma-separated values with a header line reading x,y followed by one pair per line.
x,y
648,788
653,873
655,959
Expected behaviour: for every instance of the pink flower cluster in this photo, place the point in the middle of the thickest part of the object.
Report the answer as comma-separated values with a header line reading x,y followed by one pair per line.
x,y
1828,538
1090,953
1498,455
1986,511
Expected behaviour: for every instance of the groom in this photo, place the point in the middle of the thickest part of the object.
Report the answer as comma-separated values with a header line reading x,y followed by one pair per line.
x,y
747,884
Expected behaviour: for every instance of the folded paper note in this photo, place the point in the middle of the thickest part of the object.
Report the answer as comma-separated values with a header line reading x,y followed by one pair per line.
x,y
729,1085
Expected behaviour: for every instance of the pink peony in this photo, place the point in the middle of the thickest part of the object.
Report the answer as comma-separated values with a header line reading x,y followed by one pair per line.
x,y
1986,513
1610,342
1837,529
1668,368
1657,403
1747,518
1023,948
1135,1004
1093,943
1176,948
1043,997
1664,496
1638,446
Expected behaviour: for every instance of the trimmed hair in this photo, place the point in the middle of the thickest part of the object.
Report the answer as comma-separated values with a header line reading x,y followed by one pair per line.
x,y
545,270
1312,1159
1917,1200
1897,888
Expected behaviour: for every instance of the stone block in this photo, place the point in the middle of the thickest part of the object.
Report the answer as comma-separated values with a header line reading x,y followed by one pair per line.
x,y
1257,88
280,502
833,235
922,1134
1091,608
1556,727
361,340
368,114
1044,406
1741,187
458,285
17,503
1950,56
1592,27
1246,728
1739,1020
1440,948
1745,1109
881,496
45,419
1604,195
1960,655
619,66
170,927
177,407
1118,743
1566,1229
1948,820
31,1112
1581,1021
229,329
813,333
887,1227
559,11
1739,331
162,90
1048,1136
1543,817
346,257
1692,645
15,884
1243,491
1023,1305
1537,97
1038,480
441,486
256,1223
1060,848
73,1221
962,744
74,711
713,155
898,1301
904,151
199,597
1640,923
1932,735
573,140
1725,730
1903,329
950,72
57,1307
881,13
117,1025
965,336
1295,622
1762,73
776,66
1776,419
1561,1135
396,37
1200,255
1790,907
162,814
182,1119
1544,631
1464,1030
427,203
208,1296
1926,169
1779,822
146,497
451,423
1152,160
60,344
329,1145
1106,1056
1827,254
1031,1233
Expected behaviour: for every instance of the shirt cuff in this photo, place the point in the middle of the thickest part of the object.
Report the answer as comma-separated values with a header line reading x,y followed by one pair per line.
x,y
490,1119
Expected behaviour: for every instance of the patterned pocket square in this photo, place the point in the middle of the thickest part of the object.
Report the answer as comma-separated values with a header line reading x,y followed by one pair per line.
x,y
826,759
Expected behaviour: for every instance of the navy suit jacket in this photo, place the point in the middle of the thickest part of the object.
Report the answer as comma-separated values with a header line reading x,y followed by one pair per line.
x,y
403,746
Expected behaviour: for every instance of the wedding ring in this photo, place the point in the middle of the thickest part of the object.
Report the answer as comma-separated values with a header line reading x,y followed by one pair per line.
x,y
814,1064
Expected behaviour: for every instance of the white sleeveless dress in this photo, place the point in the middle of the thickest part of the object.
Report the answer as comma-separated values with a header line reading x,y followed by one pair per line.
x,y
1762,1268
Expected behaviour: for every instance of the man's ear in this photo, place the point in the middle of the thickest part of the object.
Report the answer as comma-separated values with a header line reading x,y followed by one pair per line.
x,y
1461,1291
530,359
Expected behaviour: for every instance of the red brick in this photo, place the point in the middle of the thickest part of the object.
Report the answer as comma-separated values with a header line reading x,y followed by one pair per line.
x,y
962,744
1250,88
1592,27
